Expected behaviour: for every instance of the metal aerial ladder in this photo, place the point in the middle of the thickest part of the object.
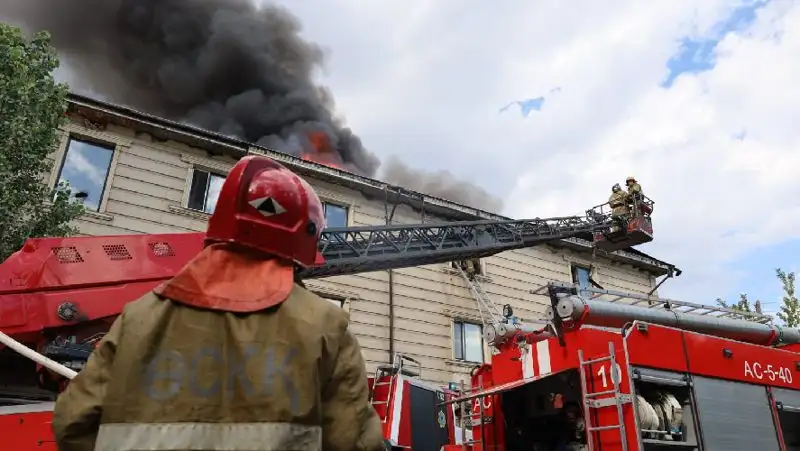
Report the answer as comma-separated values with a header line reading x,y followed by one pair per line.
x,y
357,249
351,250
489,312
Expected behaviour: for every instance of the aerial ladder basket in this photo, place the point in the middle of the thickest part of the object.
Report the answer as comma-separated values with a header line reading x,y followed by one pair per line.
x,y
631,229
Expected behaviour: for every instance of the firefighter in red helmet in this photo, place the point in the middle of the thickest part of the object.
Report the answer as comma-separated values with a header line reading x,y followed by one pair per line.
x,y
230,354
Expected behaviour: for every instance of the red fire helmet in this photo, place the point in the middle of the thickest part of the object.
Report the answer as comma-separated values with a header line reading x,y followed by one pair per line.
x,y
264,206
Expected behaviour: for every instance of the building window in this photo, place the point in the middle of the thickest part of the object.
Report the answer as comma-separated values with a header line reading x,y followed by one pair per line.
x,y
85,167
335,215
205,189
468,341
581,275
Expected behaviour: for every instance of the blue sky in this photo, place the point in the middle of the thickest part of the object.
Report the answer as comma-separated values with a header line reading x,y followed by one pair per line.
x,y
755,270
757,273
697,54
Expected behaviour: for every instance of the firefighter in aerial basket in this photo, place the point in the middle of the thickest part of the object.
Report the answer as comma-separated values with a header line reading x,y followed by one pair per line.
x,y
635,194
618,201
231,353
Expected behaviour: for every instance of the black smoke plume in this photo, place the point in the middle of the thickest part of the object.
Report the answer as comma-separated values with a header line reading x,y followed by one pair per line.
x,y
223,65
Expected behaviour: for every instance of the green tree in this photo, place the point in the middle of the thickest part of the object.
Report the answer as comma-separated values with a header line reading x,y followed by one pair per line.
x,y
789,311
32,106
743,305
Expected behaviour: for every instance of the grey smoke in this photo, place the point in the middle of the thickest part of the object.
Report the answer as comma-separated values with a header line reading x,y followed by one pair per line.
x,y
440,183
224,65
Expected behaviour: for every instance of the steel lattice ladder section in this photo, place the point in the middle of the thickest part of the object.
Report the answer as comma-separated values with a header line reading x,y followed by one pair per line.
x,y
601,399
489,312
351,250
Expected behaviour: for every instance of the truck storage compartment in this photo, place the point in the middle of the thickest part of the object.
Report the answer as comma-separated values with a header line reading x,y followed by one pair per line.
x,y
787,403
544,414
734,416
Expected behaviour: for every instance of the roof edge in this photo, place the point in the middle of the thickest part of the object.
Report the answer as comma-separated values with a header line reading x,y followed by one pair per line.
x,y
242,148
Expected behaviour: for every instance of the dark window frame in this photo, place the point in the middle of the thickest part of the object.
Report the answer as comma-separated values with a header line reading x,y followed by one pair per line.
x,y
459,341
94,142
345,208
209,175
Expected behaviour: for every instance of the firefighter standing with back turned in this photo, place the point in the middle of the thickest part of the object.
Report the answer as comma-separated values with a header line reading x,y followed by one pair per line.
x,y
230,354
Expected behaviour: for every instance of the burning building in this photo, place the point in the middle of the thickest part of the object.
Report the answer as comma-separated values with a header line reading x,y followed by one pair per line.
x,y
145,174
243,76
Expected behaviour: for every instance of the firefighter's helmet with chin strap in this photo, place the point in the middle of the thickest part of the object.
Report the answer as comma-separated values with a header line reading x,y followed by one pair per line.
x,y
266,207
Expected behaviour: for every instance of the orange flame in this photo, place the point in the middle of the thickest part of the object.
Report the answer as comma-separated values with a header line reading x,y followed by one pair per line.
x,y
323,153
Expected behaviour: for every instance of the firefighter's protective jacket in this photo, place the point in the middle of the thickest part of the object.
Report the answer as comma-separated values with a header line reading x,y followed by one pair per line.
x,y
618,203
170,376
635,189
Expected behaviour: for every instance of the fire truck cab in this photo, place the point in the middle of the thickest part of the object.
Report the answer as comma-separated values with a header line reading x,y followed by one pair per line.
x,y
641,387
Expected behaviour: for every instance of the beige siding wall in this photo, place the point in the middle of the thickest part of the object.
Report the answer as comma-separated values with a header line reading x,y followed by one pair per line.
x,y
147,192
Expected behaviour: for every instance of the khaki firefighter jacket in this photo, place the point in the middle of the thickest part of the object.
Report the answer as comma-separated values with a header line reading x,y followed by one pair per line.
x,y
618,203
635,190
169,376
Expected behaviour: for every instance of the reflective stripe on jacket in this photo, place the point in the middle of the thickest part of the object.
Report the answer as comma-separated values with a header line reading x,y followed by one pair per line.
x,y
208,436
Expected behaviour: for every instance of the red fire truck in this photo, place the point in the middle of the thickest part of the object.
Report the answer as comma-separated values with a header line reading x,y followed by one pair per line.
x,y
614,371
58,296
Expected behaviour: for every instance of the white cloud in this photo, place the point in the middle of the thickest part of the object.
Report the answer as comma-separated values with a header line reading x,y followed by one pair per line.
x,y
426,83
717,197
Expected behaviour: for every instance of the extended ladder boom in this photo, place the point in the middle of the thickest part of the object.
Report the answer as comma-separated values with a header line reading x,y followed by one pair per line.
x,y
62,263
55,281
352,250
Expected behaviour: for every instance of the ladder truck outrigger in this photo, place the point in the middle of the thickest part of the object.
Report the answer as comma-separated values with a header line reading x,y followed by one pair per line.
x,y
59,296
